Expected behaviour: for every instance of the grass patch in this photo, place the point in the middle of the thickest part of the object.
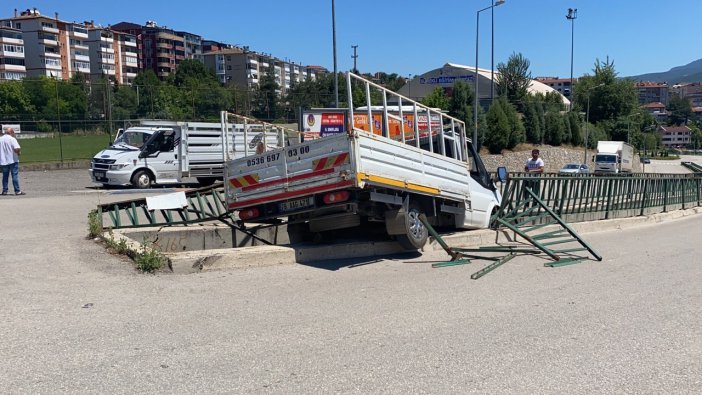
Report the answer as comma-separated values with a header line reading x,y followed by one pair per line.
x,y
148,259
48,149
94,224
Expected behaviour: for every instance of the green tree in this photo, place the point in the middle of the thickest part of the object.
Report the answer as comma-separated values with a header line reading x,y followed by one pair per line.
x,y
148,87
554,131
437,99
576,136
460,103
610,97
513,79
679,110
266,104
516,133
498,128
15,103
532,123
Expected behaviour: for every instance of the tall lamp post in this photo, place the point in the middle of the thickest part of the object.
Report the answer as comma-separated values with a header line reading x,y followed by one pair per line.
x,y
475,80
572,15
492,52
587,119
336,77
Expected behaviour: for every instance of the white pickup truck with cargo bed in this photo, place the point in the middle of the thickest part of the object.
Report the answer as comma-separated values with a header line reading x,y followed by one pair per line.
x,y
165,152
411,160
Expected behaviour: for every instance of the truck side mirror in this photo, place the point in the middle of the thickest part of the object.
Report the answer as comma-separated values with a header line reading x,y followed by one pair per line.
x,y
502,174
143,154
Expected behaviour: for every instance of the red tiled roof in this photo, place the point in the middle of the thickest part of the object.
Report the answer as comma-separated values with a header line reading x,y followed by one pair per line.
x,y
654,105
671,129
650,84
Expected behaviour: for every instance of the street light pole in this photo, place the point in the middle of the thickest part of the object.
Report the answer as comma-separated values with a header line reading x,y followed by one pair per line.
x,y
572,15
587,120
475,77
336,77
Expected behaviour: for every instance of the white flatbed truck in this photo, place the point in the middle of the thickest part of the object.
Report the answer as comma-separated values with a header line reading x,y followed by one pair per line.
x,y
166,152
386,175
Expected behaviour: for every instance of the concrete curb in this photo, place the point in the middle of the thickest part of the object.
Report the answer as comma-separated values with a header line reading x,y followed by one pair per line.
x,y
196,261
76,164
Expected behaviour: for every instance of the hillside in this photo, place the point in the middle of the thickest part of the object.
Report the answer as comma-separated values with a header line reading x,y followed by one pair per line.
x,y
691,72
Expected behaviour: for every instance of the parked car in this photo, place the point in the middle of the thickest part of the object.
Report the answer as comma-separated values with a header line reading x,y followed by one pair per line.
x,y
574,168
646,161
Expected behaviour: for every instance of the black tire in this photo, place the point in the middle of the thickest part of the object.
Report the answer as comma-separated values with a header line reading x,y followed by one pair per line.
x,y
417,234
206,181
142,179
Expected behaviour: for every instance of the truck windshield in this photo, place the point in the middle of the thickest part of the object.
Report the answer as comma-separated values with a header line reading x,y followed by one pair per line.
x,y
132,139
606,159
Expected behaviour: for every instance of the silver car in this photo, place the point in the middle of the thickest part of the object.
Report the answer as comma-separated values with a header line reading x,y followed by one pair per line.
x,y
574,168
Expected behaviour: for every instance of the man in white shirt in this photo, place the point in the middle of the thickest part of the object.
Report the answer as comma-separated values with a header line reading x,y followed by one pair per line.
x,y
9,161
534,164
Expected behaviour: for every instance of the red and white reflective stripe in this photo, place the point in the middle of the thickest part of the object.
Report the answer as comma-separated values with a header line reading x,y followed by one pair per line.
x,y
244,181
291,194
330,161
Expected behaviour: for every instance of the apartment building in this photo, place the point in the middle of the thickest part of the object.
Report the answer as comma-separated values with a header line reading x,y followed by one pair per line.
x,y
52,47
244,69
562,85
162,49
12,65
675,136
652,92
114,54
692,92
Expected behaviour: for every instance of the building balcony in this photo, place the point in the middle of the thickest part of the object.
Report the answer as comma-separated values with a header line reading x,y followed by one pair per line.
x,y
10,40
164,45
83,58
80,46
11,54
129,43
75,34
13,67
54,55
51,43
50,29
163,64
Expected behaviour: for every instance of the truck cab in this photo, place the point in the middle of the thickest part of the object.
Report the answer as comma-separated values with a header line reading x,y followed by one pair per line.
x,y
139,156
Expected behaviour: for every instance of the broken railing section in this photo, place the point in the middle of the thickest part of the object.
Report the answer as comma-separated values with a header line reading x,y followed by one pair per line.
x,y
528,219
179,208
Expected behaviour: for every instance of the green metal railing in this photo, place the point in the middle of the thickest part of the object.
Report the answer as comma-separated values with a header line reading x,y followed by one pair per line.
x,y
588,198
692,166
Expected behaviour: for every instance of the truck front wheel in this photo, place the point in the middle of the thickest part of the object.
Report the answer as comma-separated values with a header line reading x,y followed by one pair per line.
x,y
416,234
142,179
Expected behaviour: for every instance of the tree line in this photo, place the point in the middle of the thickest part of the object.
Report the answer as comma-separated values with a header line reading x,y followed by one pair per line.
x,y
604,107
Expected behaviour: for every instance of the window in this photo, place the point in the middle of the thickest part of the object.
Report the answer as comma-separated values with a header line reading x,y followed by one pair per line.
x,y
12,61
47,24
13,48
52,62
11,76
81,65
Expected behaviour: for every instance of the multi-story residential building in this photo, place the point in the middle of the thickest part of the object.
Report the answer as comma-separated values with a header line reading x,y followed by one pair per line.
x,y
193,44
244,69
675,136
162,48
115,54
562,85
11,53
52,47
652,92
692,92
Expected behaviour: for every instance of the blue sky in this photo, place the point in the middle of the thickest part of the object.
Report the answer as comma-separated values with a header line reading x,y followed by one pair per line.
x,y
412,36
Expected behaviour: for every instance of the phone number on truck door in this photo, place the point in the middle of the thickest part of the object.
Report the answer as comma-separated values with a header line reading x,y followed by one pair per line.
x,y
260,160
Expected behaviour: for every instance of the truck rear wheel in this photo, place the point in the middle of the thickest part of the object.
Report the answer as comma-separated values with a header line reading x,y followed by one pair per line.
x,y
142,179
416,234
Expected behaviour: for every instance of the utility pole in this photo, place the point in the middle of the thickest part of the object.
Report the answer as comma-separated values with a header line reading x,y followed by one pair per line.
x,y
355,58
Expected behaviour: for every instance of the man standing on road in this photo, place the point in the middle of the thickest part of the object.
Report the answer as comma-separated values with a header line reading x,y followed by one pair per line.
x,y
9,160
535,167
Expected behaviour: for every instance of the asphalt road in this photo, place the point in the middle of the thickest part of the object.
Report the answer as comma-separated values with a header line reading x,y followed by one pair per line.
x,y
78,320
